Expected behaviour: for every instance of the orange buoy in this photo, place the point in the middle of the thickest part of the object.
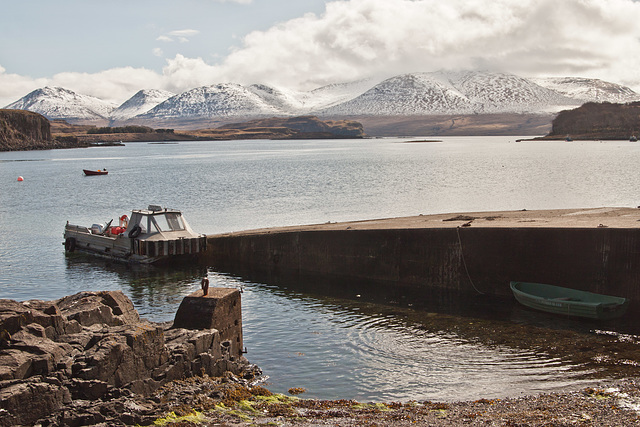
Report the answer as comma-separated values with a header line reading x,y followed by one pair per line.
x,y
20,178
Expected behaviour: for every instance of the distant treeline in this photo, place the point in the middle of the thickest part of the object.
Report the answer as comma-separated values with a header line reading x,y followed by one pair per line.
x,y
127,129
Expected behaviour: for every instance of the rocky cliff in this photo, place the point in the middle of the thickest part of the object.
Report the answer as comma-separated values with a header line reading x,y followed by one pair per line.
x,y
598,121
24,130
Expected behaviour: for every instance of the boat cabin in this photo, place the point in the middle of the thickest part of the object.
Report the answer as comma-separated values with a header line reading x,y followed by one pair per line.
x,y
156,223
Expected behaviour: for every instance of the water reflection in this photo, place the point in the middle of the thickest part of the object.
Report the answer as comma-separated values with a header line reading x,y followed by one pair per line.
x,y
377,343
385,346
155,292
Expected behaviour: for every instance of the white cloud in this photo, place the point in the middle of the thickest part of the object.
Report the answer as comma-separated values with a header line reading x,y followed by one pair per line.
x,y
181,35
14,86
357,38
360,38
157,52
182,73
184,33
116,84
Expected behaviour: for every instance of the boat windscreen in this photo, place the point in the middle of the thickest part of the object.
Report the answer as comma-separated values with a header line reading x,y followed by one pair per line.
x,y
169,222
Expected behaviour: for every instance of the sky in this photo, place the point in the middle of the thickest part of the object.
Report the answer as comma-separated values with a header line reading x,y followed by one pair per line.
x,y
113,49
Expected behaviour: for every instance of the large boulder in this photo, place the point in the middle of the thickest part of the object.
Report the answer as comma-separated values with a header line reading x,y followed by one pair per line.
x,y
111,308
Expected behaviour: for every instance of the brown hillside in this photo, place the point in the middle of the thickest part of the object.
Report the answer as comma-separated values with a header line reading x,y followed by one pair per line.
x,y
457,125
304,127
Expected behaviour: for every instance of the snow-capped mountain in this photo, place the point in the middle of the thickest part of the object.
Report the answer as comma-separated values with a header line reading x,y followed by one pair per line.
x,y
500,92
140,103
334,94
588,90
415,94
409,94
453,93
221,100
287,101
60,103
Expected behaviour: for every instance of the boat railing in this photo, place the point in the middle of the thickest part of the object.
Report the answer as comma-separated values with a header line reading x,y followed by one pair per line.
x,y
78,229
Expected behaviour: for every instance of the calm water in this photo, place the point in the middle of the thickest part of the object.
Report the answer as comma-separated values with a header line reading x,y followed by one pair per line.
x,y
336,347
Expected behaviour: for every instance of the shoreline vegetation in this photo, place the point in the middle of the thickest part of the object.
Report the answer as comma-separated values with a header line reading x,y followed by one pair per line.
x,y
206,401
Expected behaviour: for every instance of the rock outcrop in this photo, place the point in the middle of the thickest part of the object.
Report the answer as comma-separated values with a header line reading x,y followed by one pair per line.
x,y
92,346
24,130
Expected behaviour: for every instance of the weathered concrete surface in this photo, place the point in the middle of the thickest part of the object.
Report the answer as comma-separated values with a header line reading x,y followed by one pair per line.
x,y
590,249
221,309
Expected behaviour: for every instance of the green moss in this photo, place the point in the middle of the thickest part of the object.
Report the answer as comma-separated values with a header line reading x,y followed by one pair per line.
x,y
276,398
194,417
245,405
375,406
240,414
442,413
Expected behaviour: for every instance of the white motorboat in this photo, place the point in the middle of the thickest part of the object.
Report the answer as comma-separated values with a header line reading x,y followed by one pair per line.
x,y
154,235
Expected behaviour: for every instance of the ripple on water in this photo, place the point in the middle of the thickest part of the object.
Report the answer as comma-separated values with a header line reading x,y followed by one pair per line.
x,y
337,351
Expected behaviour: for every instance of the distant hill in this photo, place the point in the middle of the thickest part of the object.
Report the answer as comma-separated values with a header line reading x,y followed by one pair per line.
x,y
506,124
25,130
305,127
598,121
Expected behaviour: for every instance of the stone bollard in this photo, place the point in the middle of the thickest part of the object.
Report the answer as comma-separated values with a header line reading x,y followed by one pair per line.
x,y
219,309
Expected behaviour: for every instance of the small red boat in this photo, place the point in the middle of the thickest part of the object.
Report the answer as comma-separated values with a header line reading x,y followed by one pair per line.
x,y
98,172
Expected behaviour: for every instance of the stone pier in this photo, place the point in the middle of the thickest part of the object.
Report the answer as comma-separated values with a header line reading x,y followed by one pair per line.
x,y
596,250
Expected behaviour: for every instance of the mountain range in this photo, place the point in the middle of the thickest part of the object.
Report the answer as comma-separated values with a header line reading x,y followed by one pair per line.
x,y
409,95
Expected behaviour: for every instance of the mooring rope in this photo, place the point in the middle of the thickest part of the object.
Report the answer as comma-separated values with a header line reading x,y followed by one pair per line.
x,y
464,262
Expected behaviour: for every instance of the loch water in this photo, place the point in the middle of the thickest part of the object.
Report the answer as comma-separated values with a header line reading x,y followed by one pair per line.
x,y
336,344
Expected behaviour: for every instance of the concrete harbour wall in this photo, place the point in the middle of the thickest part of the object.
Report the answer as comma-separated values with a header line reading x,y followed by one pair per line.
x,y
450,258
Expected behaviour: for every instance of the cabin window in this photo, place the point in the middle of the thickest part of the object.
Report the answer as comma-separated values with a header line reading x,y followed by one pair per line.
x,y
142,221
144,224
169,222
175,221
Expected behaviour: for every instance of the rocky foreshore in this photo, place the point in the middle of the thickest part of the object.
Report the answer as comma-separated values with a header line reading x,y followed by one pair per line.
x,y
88,358
221,402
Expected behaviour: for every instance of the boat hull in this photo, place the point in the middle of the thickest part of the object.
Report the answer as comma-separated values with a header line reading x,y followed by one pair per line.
x,y
139,251
92,173
571,302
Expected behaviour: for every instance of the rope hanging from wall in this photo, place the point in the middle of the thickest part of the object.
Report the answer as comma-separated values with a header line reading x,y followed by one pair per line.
x,y
464,262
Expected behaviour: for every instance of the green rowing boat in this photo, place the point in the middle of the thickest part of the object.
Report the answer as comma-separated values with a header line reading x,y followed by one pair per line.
x,y
572,302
